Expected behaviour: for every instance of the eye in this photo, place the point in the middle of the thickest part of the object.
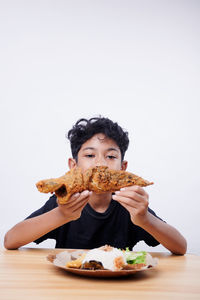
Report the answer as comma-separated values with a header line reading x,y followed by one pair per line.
x,y
89,155
111,156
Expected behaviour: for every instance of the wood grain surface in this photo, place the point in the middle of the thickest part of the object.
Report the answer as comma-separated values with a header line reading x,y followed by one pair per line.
x,y
26,274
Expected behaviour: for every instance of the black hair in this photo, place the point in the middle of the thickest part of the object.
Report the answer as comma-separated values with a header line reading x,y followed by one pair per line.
x,y
85,129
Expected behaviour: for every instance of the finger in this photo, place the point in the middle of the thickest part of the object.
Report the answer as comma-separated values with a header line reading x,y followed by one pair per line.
x,y
127,207
80,206
71,201
79,196
130,194
84,194
74,197
135,188
132,202
126,201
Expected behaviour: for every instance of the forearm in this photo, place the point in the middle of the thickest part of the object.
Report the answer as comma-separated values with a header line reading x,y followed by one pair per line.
x,y
31,229
165,234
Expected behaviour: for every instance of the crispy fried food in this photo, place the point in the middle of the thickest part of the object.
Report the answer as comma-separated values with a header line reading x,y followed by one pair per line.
x,y
99,180
92,265
76,263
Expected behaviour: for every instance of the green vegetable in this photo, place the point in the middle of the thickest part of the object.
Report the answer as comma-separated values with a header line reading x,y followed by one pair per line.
x,y
135,257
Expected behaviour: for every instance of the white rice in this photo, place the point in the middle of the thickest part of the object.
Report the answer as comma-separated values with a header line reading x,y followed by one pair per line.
x,y
107,258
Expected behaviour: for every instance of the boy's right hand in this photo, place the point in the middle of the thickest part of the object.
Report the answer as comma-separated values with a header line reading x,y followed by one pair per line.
x,y
74,206
33,228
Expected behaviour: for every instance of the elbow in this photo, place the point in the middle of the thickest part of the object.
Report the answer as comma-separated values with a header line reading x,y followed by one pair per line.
x,y
182,249
8,244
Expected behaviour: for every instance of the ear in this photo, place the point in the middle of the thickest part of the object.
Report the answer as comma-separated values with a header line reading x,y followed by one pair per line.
x,y
124,165
71,163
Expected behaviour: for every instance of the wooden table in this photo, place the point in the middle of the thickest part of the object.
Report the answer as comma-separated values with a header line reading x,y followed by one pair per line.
x,y
26,274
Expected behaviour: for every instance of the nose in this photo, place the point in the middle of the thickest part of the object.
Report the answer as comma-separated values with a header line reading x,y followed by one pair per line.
x,y
100,162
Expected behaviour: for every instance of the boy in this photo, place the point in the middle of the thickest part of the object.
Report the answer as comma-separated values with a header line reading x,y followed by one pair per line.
x,y
90,220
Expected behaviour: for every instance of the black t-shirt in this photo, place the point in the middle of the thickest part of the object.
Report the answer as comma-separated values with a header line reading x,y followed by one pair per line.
x,y
94,229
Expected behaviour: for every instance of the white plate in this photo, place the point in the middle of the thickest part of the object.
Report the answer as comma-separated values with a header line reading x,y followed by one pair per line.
x,y
62,258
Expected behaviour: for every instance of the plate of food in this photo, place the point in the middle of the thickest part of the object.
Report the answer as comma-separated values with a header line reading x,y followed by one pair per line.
x,y
105,261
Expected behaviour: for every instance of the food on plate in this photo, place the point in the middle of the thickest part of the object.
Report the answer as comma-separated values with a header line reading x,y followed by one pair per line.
x,y
114,259
76,263
105,257
99,179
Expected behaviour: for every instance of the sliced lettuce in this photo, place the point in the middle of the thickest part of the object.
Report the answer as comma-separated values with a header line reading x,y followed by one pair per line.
x,y
135,257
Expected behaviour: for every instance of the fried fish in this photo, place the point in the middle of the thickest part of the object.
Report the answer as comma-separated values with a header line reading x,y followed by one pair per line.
x,y
98,179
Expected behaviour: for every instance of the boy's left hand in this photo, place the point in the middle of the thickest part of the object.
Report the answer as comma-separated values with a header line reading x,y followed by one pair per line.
x,y
135,200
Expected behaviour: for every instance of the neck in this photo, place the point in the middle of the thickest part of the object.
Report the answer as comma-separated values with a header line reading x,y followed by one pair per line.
x,y
100,202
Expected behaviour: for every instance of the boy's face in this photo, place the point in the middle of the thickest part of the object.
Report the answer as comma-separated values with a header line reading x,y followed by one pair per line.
x,y
99,151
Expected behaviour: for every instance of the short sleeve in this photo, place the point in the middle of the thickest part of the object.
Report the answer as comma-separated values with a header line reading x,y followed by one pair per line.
x,y
48,206
143,235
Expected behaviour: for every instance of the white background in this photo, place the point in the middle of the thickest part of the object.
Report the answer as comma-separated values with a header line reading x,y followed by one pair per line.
x,y
136,62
